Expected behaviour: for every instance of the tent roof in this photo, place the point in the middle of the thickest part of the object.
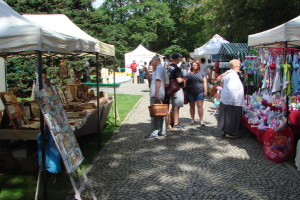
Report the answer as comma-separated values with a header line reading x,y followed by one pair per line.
x,y
20,36
288,32
62,24
140,51
240,49
210,47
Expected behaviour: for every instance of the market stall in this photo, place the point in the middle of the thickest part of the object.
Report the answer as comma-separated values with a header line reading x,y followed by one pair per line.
x,y
211,47
271,112
59,37
234,50
21,37
140,55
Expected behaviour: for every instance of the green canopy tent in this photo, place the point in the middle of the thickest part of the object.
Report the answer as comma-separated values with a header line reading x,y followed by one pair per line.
x,y
234,50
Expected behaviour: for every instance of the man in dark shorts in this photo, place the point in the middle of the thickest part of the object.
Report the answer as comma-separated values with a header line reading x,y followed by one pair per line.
x,y
177,99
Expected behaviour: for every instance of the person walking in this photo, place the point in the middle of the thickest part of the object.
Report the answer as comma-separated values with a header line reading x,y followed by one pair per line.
x,y
177,99
142,73
196,88
203,66
217,67
232,101
133,67
157,94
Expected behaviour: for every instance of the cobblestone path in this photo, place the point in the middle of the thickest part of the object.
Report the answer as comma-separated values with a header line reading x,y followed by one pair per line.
x,y
196,163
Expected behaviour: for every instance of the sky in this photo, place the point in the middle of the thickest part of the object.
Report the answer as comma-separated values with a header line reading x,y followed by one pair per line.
x,y
98,3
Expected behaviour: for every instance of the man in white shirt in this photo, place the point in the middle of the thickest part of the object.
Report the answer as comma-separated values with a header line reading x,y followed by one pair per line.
x,y
157,94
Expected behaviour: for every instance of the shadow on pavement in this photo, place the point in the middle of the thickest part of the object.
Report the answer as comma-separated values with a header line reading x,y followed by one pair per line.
x,y
196,163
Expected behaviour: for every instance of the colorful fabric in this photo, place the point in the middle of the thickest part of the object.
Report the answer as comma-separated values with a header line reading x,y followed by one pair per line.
x,y
287,86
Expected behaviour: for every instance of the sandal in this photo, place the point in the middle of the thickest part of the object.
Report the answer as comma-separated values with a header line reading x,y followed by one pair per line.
x,y
202,123
192,122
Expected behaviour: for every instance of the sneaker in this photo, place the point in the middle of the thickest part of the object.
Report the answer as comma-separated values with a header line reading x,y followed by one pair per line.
x,y
152,136
177,127
202,123
192,122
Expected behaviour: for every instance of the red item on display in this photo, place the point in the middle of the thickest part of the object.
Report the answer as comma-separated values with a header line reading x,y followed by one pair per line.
x,y
278,146
294,121
272,66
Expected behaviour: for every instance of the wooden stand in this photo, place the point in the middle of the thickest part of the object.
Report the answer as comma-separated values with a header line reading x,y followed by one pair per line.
x,y
73,90
82,184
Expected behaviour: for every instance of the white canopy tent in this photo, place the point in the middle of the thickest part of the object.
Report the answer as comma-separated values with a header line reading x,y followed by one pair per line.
x,y
62,24
288,32
19,35
140,55
211,47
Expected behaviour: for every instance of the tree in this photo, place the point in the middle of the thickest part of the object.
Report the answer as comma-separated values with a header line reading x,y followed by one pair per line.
x,y
235,20
126,24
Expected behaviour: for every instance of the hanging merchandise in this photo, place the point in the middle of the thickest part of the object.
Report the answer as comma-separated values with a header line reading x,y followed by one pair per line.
x,y
277,81
286,80
265,81
296,74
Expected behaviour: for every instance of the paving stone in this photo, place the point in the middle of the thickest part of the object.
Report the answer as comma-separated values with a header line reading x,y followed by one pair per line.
x,y
196,163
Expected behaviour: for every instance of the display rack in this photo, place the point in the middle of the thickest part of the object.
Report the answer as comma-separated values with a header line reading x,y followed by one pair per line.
x,y
62,133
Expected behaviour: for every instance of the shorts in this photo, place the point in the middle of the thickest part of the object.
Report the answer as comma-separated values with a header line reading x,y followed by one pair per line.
x,y
177,99
193,98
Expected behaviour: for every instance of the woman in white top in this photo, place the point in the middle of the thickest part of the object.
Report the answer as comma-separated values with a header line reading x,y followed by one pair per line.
x,y
232,101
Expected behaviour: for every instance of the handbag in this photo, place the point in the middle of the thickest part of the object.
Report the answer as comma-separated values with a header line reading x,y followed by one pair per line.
x,y
172,88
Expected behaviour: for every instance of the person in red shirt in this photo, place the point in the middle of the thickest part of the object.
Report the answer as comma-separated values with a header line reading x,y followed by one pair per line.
x,y
133,66
217,65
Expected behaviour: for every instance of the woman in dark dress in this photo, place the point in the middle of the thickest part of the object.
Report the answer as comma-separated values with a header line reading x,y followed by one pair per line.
x,y
232,101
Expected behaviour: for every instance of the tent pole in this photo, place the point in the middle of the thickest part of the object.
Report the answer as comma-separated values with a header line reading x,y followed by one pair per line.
x,y
5,75
42,126
115,98
98,106
287,95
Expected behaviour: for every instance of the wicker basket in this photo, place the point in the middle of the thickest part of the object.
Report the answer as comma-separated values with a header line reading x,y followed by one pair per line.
x,y
158,110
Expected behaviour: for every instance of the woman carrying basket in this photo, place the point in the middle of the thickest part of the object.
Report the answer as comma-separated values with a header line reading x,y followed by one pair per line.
x,y
157,94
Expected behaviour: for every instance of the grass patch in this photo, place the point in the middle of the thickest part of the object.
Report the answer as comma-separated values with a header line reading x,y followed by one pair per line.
x,y
18,185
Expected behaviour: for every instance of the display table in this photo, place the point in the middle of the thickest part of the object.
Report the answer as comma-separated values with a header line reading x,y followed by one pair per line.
x,y
88,127
293,117
102,84
251,127
14,134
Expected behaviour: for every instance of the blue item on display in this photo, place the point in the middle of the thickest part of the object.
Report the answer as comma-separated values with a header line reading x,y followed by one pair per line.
x,y
52,153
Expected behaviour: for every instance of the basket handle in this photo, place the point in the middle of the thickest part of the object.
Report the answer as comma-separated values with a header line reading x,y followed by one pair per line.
x,y
159,101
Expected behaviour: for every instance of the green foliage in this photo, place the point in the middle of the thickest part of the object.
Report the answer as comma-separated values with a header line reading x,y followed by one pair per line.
x,y
166,25
175,49
20,75
235,20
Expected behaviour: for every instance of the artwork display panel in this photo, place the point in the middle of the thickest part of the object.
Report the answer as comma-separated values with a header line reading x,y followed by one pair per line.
x,y
59,127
